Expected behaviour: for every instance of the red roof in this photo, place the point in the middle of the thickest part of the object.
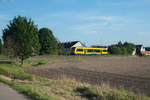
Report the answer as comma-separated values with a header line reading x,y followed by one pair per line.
x,y
145,52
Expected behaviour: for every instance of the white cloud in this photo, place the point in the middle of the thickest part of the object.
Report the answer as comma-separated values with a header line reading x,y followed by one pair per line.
x,y
83,22
81,16
93,24
143,33
105,18
6,0
90,28
129,3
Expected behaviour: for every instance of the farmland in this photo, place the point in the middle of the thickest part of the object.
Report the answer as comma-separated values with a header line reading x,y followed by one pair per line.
x,y
132,73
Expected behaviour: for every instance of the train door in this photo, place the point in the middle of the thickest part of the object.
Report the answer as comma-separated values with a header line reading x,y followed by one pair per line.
x,y
101,52
84,51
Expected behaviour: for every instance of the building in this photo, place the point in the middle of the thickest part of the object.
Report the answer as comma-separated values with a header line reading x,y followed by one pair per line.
x,y
69,45
147,48
141,50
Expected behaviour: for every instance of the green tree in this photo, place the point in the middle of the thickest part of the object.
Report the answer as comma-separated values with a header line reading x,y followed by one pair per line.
x,y
124,51
60,48
48,41
129,47
1,46
21,38
122,48
113,49
120,44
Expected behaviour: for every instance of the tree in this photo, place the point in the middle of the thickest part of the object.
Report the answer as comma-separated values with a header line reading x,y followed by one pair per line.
x,y
113,49
120,44
21,38
122,48
60,48
124,51
1,46
48,41
130,47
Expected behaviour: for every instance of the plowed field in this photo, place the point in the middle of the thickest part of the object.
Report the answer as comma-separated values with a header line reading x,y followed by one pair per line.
x,y
132,73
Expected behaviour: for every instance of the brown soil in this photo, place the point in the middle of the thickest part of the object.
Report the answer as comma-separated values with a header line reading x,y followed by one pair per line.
x,y
132,73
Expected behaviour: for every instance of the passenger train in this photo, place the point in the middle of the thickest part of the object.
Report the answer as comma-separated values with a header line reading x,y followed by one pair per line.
x,y
88,51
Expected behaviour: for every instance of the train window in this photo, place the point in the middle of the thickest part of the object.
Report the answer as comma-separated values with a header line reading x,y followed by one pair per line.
x,y
89,50
79,50
97,50
104,50
94,50
73,48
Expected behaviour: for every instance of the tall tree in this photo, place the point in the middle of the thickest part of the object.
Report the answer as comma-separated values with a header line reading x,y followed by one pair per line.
x,y
120,44
48,41
130,47
21,38
1,46
60,48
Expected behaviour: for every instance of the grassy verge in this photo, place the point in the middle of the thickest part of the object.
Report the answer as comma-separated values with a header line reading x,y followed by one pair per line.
x,y
39,88
25,83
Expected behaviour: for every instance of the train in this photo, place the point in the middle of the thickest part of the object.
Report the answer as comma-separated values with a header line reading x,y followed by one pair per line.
x,y
88,51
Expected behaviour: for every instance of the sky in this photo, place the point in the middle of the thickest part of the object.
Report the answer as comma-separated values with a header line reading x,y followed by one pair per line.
x,y
93,22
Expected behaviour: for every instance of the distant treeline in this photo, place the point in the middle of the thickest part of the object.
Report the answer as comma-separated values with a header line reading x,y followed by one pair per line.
x,y
122,48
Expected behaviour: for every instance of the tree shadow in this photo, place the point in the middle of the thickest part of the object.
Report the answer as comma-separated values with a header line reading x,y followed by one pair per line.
x,y
88,93
38,64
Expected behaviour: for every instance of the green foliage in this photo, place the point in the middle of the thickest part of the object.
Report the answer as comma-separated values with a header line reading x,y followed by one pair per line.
x,y
34,93
48,41
122,49
121,94
60,48
3,72
111,94
36,61
21,38
1,46
129,47
113,49
87,92
14,72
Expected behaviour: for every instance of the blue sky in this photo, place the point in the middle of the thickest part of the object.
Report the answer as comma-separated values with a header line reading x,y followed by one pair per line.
x,y
94,22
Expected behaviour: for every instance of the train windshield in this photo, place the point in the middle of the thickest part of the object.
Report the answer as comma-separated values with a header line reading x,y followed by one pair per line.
x,y
79,50
73,48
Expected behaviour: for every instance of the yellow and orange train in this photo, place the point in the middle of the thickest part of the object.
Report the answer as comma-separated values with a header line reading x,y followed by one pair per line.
x,y
88,51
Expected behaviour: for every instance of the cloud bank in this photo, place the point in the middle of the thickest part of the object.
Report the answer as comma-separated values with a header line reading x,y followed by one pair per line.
x,y
6,0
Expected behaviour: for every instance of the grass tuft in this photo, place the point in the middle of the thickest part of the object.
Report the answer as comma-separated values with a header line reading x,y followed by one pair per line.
x,y
87,92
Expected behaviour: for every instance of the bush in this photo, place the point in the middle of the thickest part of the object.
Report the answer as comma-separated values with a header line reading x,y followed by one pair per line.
x,y
121,49
87,92
114,50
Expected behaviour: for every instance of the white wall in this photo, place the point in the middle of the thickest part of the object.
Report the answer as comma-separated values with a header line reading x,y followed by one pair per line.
x,y
78,44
